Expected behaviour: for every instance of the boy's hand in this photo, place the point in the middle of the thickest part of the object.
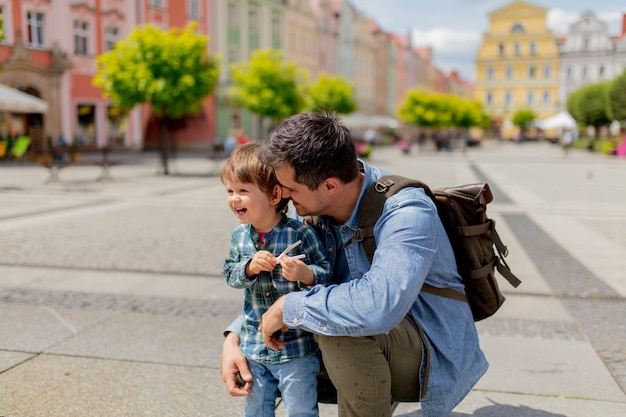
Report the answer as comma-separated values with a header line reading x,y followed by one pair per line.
x,y
261,261
296,270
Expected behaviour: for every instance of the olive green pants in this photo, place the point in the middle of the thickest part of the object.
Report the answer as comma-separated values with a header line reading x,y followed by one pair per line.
x,y
372,371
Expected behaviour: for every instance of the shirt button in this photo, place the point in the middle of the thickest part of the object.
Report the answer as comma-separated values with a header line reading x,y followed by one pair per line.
x,y
331,250
267,294
324,328
295,320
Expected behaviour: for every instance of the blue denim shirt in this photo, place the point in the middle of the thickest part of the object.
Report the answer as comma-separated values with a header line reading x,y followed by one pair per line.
x,y
412,248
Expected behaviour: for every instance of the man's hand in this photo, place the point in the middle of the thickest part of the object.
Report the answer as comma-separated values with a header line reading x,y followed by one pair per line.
x,y
271,323
234,362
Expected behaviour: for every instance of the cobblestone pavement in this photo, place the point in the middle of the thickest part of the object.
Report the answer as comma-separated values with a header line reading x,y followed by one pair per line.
x,y
179,227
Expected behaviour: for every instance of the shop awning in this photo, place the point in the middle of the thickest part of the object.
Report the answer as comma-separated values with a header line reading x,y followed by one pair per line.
x,y
12,100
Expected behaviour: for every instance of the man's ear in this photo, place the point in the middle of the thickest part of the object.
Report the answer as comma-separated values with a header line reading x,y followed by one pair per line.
x,y
277,195
331,185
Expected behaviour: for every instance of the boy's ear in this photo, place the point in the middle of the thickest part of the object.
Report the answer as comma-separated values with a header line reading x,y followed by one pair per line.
x,y
277,195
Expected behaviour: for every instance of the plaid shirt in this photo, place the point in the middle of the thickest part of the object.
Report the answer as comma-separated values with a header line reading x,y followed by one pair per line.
x,y
262,290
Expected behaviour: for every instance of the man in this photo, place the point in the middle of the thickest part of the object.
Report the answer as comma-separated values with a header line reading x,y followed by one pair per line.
x,y
382,340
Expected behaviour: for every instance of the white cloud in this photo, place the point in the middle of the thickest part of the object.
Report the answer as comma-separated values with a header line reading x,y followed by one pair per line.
x,y
559,20
452,49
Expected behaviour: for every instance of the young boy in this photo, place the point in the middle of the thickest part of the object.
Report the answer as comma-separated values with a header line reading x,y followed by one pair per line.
x,y
255,197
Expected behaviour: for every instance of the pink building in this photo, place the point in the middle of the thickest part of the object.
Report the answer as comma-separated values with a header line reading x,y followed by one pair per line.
x,y
50,50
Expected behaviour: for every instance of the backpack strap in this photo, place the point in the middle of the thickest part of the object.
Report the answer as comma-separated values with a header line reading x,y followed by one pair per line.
x,y
372,207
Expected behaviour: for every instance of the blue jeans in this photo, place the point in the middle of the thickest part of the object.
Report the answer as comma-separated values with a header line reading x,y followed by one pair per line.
x,y
297,382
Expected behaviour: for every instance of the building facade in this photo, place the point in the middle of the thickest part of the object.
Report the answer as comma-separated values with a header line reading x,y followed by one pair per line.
x,y
517,65
323,36
587,56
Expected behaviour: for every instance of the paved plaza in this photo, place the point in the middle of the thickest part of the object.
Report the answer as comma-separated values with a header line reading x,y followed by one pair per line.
x,y
112,301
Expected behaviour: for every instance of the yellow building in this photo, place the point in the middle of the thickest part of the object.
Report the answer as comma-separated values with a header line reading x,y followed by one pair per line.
x,y
517,65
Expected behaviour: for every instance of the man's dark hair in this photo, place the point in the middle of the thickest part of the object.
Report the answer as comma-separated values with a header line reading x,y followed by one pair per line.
x,y
316,145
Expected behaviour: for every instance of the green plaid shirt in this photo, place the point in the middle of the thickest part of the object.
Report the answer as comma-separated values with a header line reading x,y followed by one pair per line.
x,y
262,290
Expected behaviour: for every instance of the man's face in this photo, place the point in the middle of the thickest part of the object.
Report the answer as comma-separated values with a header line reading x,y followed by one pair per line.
x,y
307,202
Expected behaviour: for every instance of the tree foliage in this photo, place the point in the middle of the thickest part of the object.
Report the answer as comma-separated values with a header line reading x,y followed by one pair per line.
x,y
332,93
172,71
590,105
267,86
523,117
440,111
617,97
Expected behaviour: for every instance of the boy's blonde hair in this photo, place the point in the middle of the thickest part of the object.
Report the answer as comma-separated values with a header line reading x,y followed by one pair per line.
x,y
245,166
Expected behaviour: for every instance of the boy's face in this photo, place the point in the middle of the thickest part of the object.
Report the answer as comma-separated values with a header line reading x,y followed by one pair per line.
x,y
251,205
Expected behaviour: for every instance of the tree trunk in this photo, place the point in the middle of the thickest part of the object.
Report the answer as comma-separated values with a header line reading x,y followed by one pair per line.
x,y
164,147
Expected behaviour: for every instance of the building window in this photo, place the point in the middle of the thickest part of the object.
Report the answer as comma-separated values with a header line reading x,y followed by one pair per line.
x,y
568,71
501,49
584,73
532,47
276,32
116,126
586,43
81,37
509,73
489,98
4,25
86,125
546,97
233,21
111,36
193,8
517,48
532,72
156,3
518,27
233,54
530,98
601,72
35,28
547,71
490,73
253,21
508,98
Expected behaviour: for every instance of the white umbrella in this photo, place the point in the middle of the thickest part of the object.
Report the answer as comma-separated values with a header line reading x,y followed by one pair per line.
x,y
12,100
563,120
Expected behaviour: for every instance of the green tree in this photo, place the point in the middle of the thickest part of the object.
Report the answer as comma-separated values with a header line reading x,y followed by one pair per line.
x,y
425,110
589,105
617,97
267,86
522,119
1,27
440,111
172,71
333,93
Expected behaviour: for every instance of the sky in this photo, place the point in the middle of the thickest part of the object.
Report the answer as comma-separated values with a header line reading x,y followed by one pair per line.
x,y
454,28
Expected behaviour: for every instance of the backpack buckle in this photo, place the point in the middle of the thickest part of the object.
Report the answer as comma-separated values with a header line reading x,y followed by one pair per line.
x,y
383,186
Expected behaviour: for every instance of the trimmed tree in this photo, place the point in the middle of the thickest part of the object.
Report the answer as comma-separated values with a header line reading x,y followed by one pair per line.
x,y
590,105
332,93
522,118
172,71
617,97
267,86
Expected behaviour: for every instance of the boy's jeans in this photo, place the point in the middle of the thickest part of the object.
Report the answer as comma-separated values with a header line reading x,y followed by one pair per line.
x,y
297,381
